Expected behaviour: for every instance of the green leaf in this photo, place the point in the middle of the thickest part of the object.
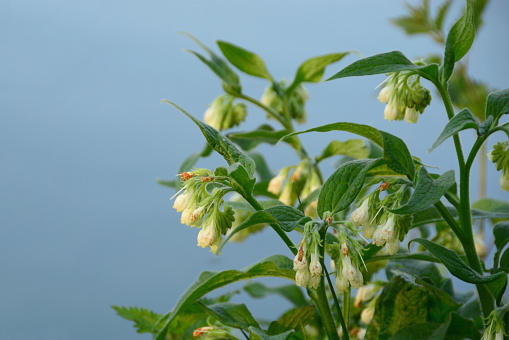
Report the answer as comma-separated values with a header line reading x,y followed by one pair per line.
x,y
501,234
441,12
290,292
312,69
427,191
355,148
259,334
396,155
292,319
343,186
461,121
240,180
288,217
497,104
431,215
246,61
359,129
274,266
496,283
174,183
231,314
459,40
423,331
144,319
462,328
191,160
383,63
220,143
263,134
309,198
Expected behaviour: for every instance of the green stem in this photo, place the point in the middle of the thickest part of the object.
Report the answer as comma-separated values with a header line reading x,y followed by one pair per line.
x,y
258,207
336,302
442,210
346,305
287,125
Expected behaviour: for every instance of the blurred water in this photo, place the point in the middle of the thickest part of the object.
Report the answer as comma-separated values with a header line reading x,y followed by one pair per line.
x,y
83,138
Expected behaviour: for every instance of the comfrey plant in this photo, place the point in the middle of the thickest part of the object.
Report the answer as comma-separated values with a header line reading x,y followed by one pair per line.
x,y
390,228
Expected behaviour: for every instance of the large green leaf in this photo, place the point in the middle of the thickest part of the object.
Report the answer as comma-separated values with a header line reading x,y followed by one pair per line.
x,y
496,282
220,143
343,186
497,104
240,179
427,191
459,40
355,148
246,61
231,314
383,63
423,331
396,155
359,129
462,121
312,69
274,266
288,217
263,134
290,292
293,319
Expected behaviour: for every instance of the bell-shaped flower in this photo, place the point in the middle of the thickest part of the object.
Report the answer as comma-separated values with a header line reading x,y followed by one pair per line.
x,y
377,237
348,269
361,215
411,115
367,314
197,216
385,94
358,280
207,235
276,183
300,264
387,230
342,283
288,195
391,112
314,281
364,294
182,201
392,246
185,218
302,277
315,268
369,229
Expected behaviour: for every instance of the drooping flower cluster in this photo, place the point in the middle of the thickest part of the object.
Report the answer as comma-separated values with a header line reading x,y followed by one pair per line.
x,y
495,326
303,181
202,209
273,98
405,96
307,261
368,293
348,264
500,156
222,114
386,229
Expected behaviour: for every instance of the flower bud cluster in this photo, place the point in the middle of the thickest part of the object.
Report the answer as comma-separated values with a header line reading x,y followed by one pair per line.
x,y
302,182
405,97
202,210
500,156
272,98
307,261
386,229
348,264
222,114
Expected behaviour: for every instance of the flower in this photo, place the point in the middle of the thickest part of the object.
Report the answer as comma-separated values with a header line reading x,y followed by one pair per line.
x,y
186,216
348,270
342,283
363,294
207,235
299,264
369,229
314,281
288,195
367,314
276,183
182,201
411,115
302,277
361,215
385,94
391,112
392,246
199,331
387,230
315,268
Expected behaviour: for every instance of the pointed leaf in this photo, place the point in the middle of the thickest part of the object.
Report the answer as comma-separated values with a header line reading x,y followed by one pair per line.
x,y
290,292
396,155
288,217
343,186
355,148
461,121
259,334
231,314
459,40
496,282
383,63
359,129
428,191
246,61
312,69
240,180
497,104
274,266
263,134
220,143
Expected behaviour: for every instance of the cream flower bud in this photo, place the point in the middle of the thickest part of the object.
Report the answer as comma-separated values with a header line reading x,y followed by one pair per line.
x,y
411,115
392,246
300,265
314,281
367,315
315,268
207,235
276,183
182,201
499,335
348,270
387,232
504,180
288,195
385,94
342,283
377,237
361,215
480,246
358,280
332,265
302,277
185,218
363,294
391,112
197,216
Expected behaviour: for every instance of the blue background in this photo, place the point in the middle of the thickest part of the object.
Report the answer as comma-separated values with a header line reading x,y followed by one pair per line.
x,y
83,137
